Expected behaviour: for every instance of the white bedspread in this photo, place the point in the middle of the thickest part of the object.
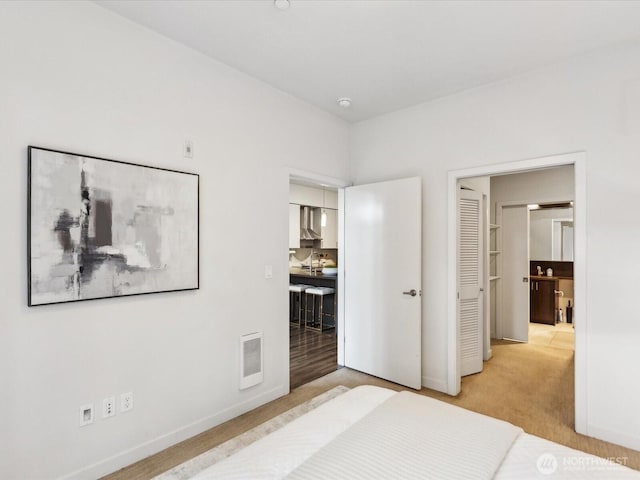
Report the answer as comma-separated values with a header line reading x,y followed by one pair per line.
x,y
411,436
533,457
349,437
273,457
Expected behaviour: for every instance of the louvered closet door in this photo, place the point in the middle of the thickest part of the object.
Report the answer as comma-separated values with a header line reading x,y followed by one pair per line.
x,y
470,277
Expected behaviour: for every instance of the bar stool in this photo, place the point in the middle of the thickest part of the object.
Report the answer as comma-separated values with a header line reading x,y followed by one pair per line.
x,y
318,293
295,297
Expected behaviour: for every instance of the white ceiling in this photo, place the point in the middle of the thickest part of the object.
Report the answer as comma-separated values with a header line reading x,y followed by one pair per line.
x,y
385,55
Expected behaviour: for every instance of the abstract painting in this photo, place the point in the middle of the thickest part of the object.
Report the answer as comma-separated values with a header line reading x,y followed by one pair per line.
x,y
101,228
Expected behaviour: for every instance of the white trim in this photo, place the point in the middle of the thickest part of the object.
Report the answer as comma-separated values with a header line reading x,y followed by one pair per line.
x,y
340,184
613,436
434,383
486,282
341,275
317,178
127,457
578,160
580,292
453,327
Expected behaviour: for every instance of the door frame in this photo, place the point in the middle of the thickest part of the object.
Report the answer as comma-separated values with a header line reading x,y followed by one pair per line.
x,y
499,207
326,181
578,160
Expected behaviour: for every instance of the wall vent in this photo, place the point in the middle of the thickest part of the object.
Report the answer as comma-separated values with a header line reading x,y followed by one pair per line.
x,y
251,360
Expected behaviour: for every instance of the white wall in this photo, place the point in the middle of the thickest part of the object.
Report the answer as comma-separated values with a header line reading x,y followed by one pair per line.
x,y
591,104
78,78
541,186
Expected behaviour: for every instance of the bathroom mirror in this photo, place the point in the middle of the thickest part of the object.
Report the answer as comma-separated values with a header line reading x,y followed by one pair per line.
x,y
551,234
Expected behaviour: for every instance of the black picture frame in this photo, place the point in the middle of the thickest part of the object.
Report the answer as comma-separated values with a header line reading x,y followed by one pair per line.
x,y
100,228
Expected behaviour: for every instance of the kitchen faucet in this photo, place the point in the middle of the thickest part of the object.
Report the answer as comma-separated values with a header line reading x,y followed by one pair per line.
x,y
311,261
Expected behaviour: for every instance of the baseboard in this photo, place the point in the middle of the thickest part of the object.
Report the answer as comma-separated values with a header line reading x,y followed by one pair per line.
x,y
132,455
434,384
612,436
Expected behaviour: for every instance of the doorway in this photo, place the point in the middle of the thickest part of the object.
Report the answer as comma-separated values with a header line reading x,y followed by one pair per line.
x,y
577,160
534,264
391,212
313,292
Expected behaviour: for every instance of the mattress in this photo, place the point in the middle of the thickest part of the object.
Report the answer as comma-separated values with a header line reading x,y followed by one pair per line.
x,y
371,432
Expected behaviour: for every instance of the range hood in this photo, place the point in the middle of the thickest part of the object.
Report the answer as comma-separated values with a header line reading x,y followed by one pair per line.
x,y
306,225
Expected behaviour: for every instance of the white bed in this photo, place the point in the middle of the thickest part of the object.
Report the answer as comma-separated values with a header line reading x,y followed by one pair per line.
x,y
371,432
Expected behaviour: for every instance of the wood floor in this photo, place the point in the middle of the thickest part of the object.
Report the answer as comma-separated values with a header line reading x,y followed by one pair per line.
x,y
311,355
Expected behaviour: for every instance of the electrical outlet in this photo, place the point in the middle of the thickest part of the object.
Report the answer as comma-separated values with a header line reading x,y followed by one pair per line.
x,y
126,401
109,407
86,414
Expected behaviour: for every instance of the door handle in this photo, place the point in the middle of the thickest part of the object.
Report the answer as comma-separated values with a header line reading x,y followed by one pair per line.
x,y
411,292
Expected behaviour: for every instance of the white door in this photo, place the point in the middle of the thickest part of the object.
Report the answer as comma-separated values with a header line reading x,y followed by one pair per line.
x,y
382,267
470,281
515,273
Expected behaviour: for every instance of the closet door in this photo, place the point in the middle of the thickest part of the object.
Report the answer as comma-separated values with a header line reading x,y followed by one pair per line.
x,y
470,281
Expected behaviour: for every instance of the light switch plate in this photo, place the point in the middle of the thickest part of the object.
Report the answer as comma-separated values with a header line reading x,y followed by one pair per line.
x,y
188,149
268,271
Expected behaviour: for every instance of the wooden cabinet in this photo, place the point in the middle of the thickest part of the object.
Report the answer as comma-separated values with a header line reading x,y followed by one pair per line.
x,y
329,232
294,225
543,300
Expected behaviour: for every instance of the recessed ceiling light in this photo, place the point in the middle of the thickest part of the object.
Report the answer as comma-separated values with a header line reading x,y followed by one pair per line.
x,y
281,4
344,102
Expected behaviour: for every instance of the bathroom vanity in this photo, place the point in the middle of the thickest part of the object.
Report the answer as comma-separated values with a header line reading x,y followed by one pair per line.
x,y
549,294
543,302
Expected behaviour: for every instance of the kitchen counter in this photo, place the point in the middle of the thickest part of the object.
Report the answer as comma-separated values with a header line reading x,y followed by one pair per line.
x,y
305,273
297,275
543,277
